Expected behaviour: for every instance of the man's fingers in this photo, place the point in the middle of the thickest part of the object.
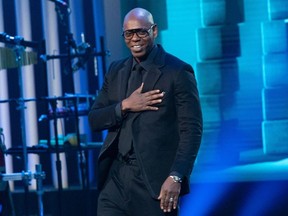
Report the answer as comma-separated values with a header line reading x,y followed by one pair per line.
x,y
175,202
152,102
154,98
167,203
170,204
161,198
145,101
154,94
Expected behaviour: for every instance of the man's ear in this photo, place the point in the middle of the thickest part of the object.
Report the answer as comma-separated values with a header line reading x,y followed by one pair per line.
x,y
155,31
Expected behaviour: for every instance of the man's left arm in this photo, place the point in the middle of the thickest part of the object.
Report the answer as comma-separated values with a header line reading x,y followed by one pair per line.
x,y
190,128
190,122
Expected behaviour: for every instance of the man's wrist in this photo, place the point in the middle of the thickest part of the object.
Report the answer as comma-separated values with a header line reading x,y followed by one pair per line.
x,y
176,179
124,108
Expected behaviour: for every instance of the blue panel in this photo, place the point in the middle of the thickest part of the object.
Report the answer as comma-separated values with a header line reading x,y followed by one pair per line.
x,y
275,137
278,9
275,36
275,67
217,77
275,103
218,42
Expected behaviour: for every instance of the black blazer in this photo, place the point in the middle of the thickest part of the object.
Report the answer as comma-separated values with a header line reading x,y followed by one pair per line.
x,y
165,140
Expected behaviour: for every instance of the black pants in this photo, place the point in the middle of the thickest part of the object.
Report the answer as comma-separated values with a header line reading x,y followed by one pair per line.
x,y
125,194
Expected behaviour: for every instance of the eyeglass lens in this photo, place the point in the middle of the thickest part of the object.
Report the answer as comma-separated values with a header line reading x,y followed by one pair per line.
x,y
128,34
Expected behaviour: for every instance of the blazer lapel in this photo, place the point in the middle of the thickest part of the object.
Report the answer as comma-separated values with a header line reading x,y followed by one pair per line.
x,y
154,71
152,77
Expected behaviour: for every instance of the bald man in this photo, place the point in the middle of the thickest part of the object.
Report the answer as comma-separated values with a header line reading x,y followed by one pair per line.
x,y
150,105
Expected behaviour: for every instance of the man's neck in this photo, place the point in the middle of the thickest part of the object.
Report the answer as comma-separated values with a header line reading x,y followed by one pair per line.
x,y
143,58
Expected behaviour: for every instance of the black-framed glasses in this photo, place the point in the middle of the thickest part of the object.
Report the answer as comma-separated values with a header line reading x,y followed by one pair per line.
x,y
141,32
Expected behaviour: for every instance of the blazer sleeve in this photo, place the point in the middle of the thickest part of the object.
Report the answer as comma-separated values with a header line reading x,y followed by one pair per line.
x,y
103,113
189,120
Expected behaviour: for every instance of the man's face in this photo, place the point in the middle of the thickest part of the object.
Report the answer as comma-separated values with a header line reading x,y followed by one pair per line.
x,y
141,37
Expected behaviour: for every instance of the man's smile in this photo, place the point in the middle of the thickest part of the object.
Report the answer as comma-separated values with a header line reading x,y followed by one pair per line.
x,y
136,48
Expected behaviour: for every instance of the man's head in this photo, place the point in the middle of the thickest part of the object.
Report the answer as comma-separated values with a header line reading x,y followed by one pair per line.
x,y
139,32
